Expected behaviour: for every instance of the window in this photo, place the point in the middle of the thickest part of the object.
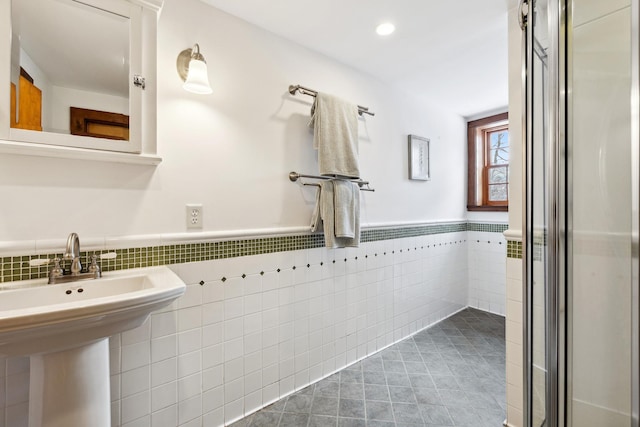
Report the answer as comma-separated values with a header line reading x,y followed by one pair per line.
x,y
488,164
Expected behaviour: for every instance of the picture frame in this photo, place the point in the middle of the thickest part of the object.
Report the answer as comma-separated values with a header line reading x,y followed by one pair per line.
x,y
419,158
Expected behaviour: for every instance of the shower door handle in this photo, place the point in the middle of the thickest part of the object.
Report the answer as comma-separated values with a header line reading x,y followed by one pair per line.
x,y
523,12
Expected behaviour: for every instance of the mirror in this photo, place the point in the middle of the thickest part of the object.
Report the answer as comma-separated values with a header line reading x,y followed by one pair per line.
x,y
72,69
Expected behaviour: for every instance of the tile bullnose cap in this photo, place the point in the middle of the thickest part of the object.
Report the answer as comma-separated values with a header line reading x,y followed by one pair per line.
x,y
513,235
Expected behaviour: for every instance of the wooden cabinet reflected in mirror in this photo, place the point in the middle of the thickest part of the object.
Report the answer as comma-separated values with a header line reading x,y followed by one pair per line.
x,y
26,104
99,124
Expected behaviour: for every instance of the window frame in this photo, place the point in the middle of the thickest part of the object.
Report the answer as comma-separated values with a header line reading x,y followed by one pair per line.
x,y
477,182
487,166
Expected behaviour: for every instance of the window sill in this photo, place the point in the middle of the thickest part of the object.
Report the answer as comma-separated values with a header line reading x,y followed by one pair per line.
x,y
42,150
488,208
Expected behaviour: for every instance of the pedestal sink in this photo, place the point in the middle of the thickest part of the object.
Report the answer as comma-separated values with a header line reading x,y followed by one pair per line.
x,y
64,328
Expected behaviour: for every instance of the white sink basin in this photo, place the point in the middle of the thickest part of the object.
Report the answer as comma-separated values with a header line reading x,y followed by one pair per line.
x,y
38,318
64,328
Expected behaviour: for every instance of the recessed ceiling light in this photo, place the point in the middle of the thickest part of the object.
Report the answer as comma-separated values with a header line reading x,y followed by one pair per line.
x,y
385,29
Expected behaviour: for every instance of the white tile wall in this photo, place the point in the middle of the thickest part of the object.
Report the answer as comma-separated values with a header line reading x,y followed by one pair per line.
x,y
514,343
487,264
228,348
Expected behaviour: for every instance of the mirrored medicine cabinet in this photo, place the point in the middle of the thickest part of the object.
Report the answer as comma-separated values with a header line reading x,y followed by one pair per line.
x,y
79,84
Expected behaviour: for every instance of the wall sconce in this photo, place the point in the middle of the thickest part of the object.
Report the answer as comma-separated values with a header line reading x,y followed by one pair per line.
x,y
192,69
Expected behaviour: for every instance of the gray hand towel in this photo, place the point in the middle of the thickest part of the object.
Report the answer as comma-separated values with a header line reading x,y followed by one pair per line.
x,y
335,126
328,215
346,205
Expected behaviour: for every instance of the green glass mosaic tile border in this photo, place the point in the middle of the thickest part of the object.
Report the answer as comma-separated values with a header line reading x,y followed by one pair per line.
x,y
490,228
17,267
514,249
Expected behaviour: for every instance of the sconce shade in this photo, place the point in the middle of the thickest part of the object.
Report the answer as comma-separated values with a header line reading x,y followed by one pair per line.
x,y
197,80
192,69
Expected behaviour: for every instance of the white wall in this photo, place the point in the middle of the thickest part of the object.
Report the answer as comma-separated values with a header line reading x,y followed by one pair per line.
x,y
232,150
62,98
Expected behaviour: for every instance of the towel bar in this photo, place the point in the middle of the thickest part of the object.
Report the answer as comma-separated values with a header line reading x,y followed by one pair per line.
x,y
294,176
306,91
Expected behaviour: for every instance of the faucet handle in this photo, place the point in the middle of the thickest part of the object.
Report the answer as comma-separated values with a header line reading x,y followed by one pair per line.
x,y
94,267
57,270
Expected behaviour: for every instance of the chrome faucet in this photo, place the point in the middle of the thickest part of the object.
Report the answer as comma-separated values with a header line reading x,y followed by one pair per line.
x,y
72,253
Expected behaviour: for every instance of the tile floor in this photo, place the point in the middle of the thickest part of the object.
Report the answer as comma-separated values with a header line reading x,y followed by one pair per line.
x,y
451,374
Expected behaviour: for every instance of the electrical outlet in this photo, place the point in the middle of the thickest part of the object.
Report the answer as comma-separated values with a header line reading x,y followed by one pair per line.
x,y
194,216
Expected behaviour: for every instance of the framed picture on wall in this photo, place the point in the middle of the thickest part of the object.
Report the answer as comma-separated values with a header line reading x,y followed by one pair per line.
x,y
419,159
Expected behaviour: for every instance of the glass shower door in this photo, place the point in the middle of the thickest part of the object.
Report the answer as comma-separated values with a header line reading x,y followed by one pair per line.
x,y
582,218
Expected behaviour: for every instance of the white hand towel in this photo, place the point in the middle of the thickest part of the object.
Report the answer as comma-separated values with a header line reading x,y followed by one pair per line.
x,y
335,125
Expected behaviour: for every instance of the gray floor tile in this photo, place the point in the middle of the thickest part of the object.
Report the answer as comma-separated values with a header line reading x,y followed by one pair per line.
x,y
421,381
445,382
277,406
402,394
323,421
427,396
294,420
436,414
372,364
453,398
393,366
390,355
407,413
324,406
378,423
374,378
351,391
351,408
300,403
398,379
266,419
350,377
416,367
411,356
245,422
327,388
381,411
450,374
462,416
352,422
376,392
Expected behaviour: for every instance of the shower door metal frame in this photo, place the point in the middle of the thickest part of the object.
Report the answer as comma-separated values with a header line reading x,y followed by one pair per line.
x,y
556,233
635,213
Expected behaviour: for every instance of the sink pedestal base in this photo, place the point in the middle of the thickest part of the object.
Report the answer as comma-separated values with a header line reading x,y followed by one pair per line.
x,y
71,387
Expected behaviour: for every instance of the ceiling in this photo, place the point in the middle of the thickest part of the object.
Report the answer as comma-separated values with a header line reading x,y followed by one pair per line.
x,y
452,53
